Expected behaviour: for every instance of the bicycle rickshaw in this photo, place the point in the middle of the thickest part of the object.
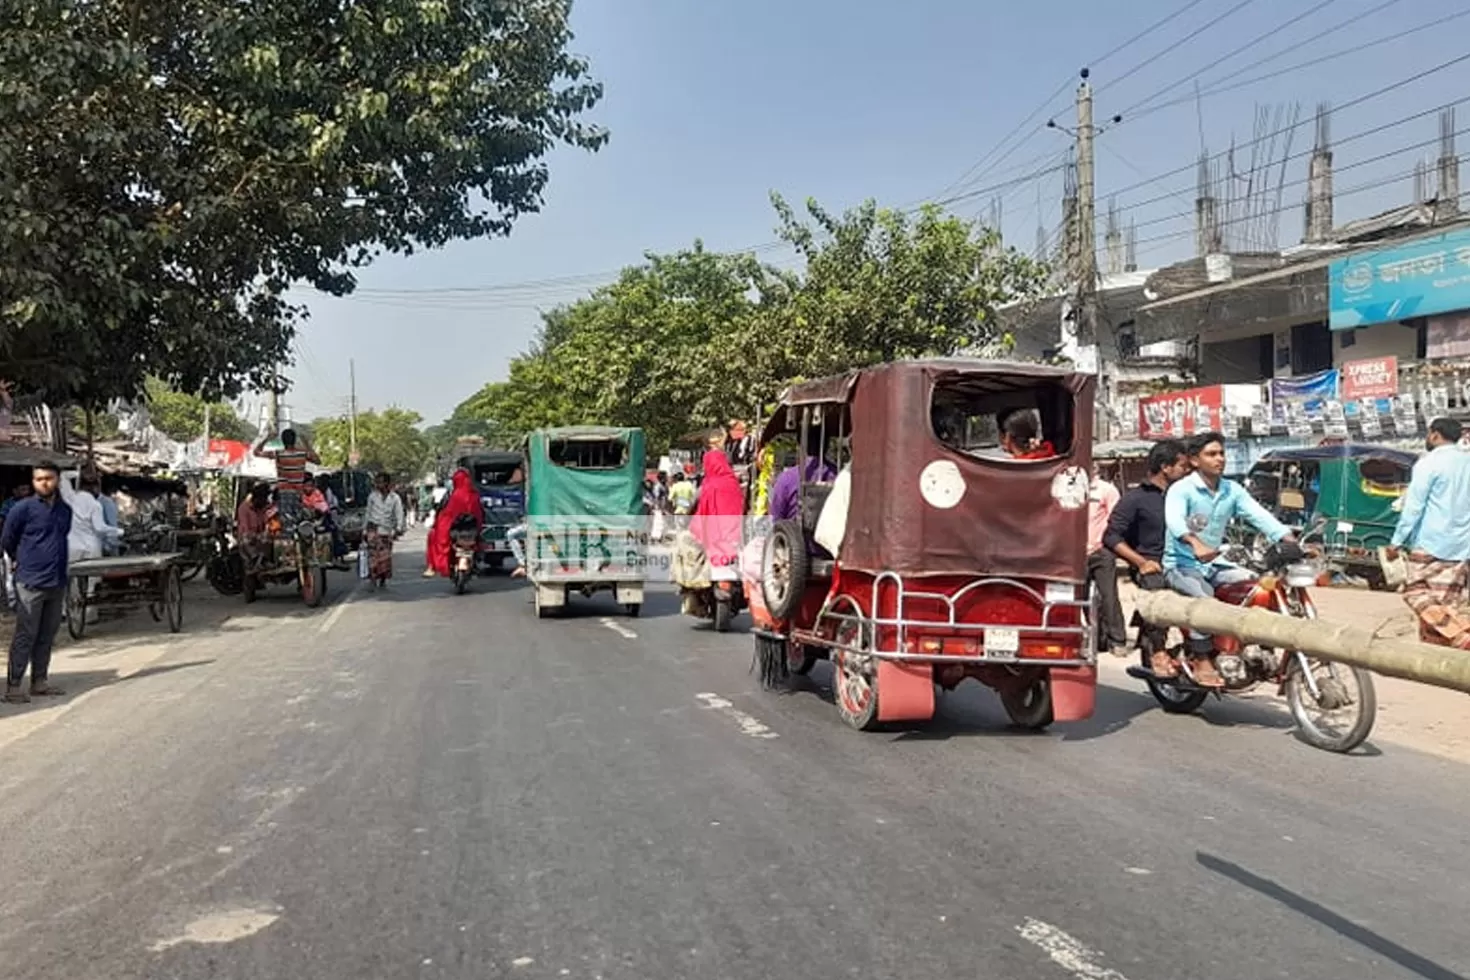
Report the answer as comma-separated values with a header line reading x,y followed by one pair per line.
x,y
934,555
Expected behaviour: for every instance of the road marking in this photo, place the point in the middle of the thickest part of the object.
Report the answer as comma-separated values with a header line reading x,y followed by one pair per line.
x,y
337,612
620,629
748,725
225,926
1066,952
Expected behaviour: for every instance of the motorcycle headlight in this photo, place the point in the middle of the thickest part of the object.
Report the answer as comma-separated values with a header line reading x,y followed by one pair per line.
x,y
1302,575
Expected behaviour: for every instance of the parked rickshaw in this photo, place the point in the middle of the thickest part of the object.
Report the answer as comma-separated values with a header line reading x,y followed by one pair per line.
x,y
934,555
585,522
1344,498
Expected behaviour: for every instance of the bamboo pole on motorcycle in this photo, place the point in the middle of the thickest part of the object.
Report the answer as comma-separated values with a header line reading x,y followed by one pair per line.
x,y
1357,647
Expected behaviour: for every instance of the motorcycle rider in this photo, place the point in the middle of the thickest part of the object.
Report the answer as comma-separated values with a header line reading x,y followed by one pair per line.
x,y
1136,533
1197,511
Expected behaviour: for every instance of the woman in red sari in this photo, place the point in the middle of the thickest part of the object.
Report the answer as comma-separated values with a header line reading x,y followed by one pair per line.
x,y
463,499
719,514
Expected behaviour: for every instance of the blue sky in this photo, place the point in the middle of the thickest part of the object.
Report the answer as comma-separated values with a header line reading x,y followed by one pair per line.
x,y
711,105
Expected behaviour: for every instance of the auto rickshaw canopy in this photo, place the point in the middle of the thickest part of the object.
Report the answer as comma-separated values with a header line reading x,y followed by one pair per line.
x,y
922,504
584,470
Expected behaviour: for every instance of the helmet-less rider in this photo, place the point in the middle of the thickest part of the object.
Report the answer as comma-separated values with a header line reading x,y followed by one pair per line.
x,y
1197,511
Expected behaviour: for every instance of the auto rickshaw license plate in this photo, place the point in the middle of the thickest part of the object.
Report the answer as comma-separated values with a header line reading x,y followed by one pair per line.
x,y
1002,644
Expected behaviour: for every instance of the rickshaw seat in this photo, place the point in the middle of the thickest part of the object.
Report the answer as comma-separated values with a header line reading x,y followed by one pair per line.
x,y
1292,500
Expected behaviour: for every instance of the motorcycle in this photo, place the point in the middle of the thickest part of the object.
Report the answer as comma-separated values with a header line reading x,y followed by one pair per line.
x,y
1309,685
721,602
464,537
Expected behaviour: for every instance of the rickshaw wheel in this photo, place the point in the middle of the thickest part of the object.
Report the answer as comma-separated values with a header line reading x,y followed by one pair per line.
x,y
855,680
785,568
1029,706
173,600
76,608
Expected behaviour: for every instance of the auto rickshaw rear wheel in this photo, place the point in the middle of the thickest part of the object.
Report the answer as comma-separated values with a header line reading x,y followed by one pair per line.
x,y
855,678
785,568
1028,704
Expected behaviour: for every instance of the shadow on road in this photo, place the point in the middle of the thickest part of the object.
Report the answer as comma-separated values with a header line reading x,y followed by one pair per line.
x,y
1363,936
79,682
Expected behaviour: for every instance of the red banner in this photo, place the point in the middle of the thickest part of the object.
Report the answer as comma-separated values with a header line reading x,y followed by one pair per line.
x,y
1373,377
224,453
1180,413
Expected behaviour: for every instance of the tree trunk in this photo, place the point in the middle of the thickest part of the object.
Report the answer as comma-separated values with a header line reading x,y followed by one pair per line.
x,y
1407,659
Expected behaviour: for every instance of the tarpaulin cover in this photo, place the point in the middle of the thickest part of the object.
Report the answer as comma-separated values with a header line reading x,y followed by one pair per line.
x,y
1011,517
556,491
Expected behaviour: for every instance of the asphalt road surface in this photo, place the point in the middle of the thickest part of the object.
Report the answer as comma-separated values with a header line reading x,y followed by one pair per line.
x,y
425,785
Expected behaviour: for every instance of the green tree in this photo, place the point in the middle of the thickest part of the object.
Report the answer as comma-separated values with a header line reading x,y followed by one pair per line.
x,y
180,416
169,171
389,441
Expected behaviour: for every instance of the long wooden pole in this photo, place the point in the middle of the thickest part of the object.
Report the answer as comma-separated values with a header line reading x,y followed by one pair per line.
x,y
1407,659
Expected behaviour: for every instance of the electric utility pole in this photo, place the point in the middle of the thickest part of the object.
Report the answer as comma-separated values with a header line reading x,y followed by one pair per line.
x,y
352,457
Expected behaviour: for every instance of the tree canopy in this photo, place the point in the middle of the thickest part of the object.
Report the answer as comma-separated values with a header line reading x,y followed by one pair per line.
x,y
180,416
688,340
169,170
389,441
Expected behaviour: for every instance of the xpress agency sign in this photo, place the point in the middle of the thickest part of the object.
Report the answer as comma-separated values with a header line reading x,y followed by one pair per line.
x,y
1180,413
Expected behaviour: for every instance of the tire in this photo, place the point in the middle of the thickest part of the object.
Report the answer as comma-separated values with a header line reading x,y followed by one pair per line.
x,y
1377,581
809,657
173,600
1176,700
724,613
1030,707
633,609
785,568
76,608
1298,694
855,695
193,572
461,582
313,586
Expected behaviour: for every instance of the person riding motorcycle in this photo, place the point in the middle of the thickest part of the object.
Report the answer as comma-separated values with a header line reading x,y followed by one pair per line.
x,y
1197,511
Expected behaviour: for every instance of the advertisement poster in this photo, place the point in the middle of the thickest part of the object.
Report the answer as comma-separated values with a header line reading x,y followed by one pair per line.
x,y
1374,377
1310,391
1180,413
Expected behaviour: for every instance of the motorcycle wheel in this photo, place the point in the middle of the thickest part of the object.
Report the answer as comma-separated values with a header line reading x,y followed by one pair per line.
x,y
724,612
313,586
1342,678
248,586
461,582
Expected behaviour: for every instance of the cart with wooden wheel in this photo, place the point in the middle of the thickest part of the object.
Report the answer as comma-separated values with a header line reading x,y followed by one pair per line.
x,y
126,582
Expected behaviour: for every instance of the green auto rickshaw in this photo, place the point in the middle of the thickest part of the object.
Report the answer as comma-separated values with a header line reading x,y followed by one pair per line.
x,y
586,523
1344,498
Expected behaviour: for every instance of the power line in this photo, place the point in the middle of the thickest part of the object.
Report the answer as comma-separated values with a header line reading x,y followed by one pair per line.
x,y
1360,100
1290,69
1231,54
1046,103
1305,153
1360,188
1173,47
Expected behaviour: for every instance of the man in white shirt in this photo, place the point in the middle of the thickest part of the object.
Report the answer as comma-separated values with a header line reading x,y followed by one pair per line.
x,y
89,529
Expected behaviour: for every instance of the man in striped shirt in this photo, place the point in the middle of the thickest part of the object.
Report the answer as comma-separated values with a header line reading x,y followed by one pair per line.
x,y
291,460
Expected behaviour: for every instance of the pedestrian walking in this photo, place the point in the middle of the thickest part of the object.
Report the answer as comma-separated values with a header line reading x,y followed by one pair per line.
x,y
34,538
385,523
1102,567
1434,526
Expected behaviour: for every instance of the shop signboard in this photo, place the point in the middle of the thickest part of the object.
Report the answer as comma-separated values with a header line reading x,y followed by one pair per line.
x,y
1180,413
1421,278
1373,377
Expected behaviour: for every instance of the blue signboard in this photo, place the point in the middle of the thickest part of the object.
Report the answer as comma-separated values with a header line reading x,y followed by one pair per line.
x,y
1422,278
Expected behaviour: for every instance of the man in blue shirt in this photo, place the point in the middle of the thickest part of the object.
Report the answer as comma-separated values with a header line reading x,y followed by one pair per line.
x,y
1197,511
34,537
1434,525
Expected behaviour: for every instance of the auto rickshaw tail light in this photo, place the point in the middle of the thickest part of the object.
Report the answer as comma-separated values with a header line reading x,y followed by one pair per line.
x,y
1045,648
962,646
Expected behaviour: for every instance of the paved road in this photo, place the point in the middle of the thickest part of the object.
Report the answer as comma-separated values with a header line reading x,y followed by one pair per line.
x,y
423,785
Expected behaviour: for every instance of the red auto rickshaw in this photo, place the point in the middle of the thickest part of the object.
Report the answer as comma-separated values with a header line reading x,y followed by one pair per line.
x,y
939,550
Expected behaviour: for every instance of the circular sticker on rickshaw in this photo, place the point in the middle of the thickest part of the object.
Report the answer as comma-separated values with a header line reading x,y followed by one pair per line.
x,y
941,484
1070,487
